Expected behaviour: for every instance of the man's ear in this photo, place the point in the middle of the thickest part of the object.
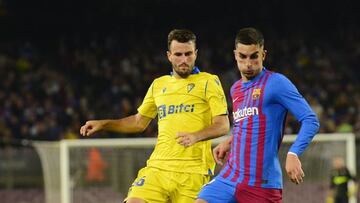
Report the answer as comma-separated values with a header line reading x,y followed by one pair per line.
x,y
168,55
264,55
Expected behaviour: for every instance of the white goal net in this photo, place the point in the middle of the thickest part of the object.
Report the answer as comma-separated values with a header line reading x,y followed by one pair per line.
x,y
101,170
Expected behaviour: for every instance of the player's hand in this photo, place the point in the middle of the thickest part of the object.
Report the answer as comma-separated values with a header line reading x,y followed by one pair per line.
x,y
293,169
91,127
186,139
220,152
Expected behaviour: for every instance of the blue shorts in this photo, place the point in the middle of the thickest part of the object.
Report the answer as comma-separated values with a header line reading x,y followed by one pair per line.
x,y
218,191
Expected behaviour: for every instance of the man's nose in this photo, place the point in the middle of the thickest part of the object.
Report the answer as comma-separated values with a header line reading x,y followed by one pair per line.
x,y
183,58
248,62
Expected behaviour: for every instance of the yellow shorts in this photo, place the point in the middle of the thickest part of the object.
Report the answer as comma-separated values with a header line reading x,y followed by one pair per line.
x,y
156,185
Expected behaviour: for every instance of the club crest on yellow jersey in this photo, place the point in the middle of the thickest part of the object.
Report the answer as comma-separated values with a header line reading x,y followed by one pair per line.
x,y
190,87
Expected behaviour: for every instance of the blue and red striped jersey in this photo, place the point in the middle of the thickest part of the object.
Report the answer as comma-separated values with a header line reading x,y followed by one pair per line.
x,y
260,107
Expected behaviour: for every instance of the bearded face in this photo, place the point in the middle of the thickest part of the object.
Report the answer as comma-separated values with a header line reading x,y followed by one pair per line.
x,y
182,56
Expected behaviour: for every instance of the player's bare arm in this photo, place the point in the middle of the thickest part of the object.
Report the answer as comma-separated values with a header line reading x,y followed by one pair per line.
x,y
220,151
131,124
293,168
219,127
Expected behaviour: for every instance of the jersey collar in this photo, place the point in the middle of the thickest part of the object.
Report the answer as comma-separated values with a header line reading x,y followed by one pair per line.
x,y
195,70
256,77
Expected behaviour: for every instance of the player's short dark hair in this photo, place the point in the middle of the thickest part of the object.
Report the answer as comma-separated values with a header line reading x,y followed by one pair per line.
x,y
182,36
249,36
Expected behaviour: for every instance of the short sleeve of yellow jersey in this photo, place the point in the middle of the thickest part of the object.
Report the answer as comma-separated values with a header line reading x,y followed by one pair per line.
x,y
148,106
216,97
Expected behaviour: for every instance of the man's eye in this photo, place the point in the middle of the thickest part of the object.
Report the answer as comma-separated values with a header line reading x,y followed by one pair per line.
x,y
242,56
255,56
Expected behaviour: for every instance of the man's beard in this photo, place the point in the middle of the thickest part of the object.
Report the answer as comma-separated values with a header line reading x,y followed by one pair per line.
x,y
184,74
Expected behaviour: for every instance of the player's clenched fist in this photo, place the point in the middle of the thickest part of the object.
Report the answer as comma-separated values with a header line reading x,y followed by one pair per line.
x,y
91,127
221,150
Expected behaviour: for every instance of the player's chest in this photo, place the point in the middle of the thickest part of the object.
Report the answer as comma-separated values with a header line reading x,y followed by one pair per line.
x,y
248,96
179,92
246,103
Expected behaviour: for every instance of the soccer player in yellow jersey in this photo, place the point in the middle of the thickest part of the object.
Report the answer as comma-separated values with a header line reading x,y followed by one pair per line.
x,y
191,109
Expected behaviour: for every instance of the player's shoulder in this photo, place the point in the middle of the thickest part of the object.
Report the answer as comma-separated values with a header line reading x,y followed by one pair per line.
x,y
206,77
236,84
212,78
277,78
280,82
164,78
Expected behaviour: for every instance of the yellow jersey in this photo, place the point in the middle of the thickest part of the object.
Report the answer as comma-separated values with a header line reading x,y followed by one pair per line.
x,y
183,105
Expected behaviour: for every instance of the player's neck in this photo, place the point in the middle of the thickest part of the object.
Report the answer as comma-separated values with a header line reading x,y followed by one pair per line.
x,y
177,76
248,79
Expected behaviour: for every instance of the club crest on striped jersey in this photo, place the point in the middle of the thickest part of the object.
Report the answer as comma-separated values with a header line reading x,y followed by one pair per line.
x,y
256,93
190,87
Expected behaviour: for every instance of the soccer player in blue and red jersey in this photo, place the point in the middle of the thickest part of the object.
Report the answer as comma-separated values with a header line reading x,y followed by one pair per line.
x,y
261,100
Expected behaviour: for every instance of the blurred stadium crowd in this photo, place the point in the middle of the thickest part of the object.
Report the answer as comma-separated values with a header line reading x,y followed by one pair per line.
x,y
51,85
47,94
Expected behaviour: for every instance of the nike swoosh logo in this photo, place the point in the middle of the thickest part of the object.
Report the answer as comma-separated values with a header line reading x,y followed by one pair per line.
x,y
234,100
239,119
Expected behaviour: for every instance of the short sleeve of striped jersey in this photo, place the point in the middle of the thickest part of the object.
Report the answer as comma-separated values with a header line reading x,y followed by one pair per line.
x,y
148,107
215,96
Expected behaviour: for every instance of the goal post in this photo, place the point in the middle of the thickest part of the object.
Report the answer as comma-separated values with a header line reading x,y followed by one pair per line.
x,y
67,165
55,161
337,145
350,148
